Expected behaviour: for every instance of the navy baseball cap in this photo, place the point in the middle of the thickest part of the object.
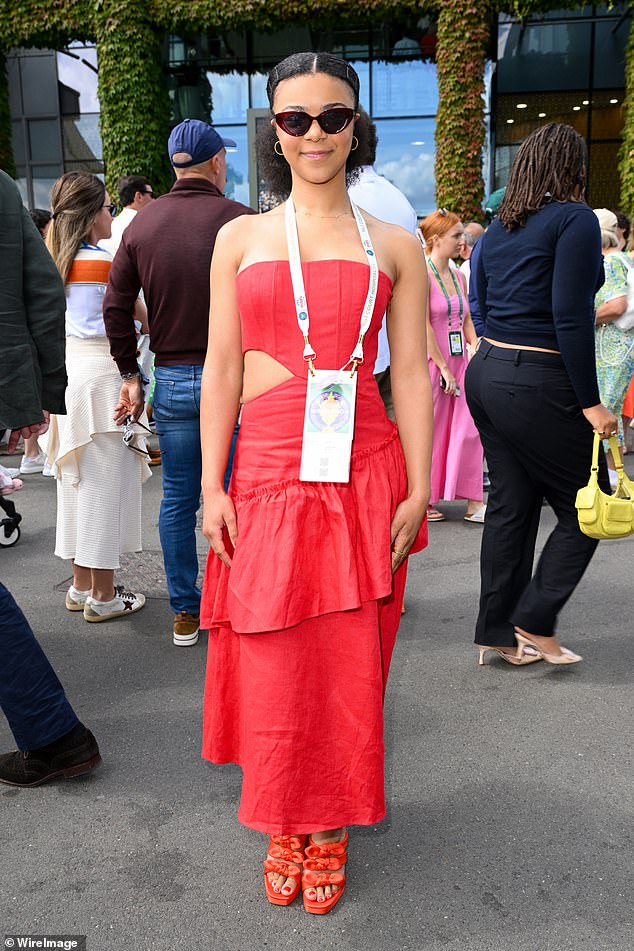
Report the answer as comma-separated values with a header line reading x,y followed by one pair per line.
x,y
198,139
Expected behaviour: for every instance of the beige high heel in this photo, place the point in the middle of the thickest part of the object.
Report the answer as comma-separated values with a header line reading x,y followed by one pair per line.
x,y
524,655
566,656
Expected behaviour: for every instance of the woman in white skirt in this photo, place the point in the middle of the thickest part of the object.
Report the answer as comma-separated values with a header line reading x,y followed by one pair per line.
x,y
99,476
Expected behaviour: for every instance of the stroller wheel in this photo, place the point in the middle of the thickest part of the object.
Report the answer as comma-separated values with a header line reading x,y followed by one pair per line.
x,y
7,541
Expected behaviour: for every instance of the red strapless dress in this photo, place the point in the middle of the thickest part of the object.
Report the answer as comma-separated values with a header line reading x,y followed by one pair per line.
x,y
302,627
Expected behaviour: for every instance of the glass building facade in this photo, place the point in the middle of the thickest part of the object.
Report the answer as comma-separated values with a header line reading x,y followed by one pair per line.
x,y
567,66
221,77
55,117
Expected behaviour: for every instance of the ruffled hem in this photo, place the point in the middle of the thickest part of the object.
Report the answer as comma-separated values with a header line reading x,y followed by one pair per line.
x,y
90,407
307,549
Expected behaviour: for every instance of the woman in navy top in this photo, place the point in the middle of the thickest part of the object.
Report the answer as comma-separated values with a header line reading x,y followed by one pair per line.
x,y
532,390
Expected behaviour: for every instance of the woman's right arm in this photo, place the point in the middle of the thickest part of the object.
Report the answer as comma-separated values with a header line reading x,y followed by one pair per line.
x,y
611,310
614,291
220,390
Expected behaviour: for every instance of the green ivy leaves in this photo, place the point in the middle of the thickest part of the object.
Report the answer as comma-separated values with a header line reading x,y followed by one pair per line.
x,y
135,105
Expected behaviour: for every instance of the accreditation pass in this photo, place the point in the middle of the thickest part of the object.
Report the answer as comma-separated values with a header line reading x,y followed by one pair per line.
x,y
328,426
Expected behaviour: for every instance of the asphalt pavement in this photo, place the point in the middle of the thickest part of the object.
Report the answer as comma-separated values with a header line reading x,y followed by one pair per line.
x,y
511,790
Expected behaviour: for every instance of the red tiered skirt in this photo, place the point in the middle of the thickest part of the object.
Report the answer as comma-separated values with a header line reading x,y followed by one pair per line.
x,y
302,627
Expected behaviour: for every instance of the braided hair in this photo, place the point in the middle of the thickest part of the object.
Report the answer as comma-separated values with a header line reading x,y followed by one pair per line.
x,y
301,64
550,165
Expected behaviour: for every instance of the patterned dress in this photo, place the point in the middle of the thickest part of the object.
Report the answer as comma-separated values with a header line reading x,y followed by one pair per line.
x,y
614,347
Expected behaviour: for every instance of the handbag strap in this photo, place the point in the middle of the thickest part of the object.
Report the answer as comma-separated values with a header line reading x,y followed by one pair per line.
x,y
618,465
614,446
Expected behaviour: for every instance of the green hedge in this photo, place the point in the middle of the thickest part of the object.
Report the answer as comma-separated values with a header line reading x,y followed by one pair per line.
x,y
7,163
135,107
46,23
626,166
463,30
135,104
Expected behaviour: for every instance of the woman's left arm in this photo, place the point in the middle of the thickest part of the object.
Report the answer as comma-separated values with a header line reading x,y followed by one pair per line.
x,y
411,388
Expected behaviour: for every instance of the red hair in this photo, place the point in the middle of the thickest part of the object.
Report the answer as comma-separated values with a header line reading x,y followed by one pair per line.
x,y
438,223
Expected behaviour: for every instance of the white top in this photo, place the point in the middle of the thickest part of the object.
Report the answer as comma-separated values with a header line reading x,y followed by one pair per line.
x,y
465,267
378,196
85,289
119,224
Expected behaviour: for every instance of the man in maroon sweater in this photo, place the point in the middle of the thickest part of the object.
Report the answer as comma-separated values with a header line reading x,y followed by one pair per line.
x,y
167,252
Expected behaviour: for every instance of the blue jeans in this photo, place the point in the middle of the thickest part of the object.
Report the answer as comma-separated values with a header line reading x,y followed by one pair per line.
x,y
31,696
176,407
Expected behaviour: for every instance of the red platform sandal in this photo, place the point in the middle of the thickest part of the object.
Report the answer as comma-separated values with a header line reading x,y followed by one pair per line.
x,y
295,842
285,860
322,867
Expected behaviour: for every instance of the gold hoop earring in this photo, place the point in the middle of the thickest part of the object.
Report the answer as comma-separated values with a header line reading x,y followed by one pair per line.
x,y
280,153
356,143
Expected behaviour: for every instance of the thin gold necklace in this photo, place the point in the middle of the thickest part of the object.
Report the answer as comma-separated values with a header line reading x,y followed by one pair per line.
x,y
345,214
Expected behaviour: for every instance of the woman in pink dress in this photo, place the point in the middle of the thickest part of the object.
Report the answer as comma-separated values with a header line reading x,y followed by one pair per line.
x,y
305,577
456,471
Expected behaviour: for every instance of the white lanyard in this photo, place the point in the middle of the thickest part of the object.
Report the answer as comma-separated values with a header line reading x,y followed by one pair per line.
x,y
299,291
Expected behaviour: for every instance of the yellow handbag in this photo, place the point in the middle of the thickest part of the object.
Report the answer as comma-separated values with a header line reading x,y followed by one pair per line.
x,y
601,515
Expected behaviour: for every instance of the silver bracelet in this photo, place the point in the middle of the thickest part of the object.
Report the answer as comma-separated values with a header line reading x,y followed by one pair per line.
x,y
130,375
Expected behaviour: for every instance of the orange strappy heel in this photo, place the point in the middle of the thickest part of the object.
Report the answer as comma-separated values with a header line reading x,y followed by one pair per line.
x,y
285,857
321,868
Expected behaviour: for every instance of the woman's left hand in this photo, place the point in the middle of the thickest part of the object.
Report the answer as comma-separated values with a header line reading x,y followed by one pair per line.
x,y
405,524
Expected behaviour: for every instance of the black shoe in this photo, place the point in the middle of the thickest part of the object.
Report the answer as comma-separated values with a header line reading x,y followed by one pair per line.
x,y
71,755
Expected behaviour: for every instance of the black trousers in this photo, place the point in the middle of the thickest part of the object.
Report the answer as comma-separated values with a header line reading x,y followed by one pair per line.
x,y
538,444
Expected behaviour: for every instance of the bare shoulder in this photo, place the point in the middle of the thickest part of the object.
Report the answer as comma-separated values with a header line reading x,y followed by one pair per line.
x,y
237,236
397,248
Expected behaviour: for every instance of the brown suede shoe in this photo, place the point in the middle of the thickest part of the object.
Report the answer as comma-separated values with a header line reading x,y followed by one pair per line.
x,y
70,755
186,627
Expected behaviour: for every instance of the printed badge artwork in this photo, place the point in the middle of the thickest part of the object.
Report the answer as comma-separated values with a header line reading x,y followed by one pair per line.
x,y
328,427
330,407
455,343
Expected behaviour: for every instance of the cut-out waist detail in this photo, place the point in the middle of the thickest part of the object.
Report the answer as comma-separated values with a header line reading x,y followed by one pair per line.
x,y
262,372
270,442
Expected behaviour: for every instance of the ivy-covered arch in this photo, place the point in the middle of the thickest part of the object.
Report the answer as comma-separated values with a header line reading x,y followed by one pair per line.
x,y
134,103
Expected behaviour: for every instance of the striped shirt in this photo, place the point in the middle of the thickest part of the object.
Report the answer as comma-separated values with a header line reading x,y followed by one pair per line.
x,y
85,289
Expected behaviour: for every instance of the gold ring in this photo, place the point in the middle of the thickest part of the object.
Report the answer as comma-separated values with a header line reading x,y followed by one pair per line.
x,y
397,552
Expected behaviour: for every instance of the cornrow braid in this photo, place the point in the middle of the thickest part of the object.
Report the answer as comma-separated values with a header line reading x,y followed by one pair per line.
x,y
550,165
302,64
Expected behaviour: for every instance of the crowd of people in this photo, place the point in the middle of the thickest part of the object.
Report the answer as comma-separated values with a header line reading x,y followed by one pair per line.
x,y
327,374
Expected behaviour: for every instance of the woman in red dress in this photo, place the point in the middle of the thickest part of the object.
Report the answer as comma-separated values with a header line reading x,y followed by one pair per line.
x,y
305,577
